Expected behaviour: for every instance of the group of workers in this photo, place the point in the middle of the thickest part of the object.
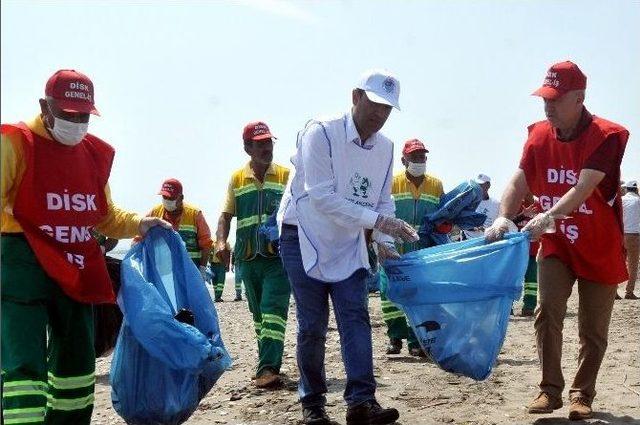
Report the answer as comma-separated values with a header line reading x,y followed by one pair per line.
x,y
339,200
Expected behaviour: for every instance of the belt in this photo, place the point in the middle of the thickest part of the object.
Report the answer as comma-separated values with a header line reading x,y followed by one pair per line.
x,y
12,235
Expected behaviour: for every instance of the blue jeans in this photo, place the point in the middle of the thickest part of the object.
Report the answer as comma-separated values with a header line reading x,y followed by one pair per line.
x,y
349,298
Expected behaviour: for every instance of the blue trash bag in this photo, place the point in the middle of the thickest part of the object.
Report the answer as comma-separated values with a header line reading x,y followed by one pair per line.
x,y
162,367
458,298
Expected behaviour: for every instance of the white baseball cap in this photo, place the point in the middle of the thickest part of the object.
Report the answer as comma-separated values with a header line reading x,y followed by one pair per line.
x,y
631,184
483,178
381,87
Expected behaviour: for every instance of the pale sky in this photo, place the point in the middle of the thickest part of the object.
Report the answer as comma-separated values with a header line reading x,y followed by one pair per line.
x,y
177,81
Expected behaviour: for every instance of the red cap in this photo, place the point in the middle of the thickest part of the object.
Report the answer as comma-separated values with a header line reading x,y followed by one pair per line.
x,y
412,146
171,188
72,91
561,78
257,131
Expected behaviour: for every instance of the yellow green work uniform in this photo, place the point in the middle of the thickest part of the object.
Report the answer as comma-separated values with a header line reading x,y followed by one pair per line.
x,y
257,261
219,274
412,203
48,357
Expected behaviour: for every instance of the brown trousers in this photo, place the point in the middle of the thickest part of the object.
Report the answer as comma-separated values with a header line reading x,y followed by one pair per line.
x,y
555,283
632,245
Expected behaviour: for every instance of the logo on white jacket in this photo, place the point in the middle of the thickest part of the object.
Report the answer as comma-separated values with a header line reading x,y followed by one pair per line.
x,y
360,185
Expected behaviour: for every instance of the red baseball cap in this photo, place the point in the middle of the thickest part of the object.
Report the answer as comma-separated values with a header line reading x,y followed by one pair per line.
x,y
72,91
171,188
257,131
561,78
412,146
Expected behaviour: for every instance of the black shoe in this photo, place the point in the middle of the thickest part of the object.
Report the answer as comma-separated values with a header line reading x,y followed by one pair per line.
x,y
238,298
527,312
370,413
395,346
219,300
315,415
631,296
618,297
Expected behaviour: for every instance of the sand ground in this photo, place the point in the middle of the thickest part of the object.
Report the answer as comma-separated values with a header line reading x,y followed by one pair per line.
x,y
423,393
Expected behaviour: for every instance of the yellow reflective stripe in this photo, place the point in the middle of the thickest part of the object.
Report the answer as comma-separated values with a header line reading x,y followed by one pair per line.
x,y
269,333
193,254
71,382
23,415
21,393
24,421
244,189
385,303
251,221
272,318
393,315
187,227
70,403
9,384
430,198
402,196
273,186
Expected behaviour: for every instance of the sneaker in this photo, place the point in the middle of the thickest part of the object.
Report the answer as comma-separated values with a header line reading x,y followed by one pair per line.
x,y
527,312
545,403
395,346
218,300
579,409
370,413
417,352
631,296
268,378
315,415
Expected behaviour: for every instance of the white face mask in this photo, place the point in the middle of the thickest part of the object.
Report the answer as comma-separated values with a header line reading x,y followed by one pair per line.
x,y
170,204
416,169
67,132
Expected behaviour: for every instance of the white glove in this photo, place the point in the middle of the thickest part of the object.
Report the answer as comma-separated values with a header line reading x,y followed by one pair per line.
x,y
396,228
540,224
500,226
203,272
387,251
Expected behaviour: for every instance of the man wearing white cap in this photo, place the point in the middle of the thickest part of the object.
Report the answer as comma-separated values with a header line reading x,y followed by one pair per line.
x,y
341,191
631,220
488,206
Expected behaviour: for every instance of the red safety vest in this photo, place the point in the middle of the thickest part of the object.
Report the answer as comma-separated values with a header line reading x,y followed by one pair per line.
x,y
590,242
60,199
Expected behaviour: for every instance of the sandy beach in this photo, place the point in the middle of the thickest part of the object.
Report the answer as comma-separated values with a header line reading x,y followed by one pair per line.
x,y
423,393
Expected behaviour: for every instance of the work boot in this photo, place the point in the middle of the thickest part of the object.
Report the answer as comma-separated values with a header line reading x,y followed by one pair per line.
x,y
417,352
395,346
267,378
527,312
315,415
631,296
579,409
370,413
545,403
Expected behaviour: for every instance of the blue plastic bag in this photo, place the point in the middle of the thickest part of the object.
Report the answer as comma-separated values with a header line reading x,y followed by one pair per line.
x,y
458,298
161,367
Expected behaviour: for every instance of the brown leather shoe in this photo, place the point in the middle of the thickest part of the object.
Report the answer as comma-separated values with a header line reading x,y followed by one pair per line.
x,y
545,403
580,409
268,378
